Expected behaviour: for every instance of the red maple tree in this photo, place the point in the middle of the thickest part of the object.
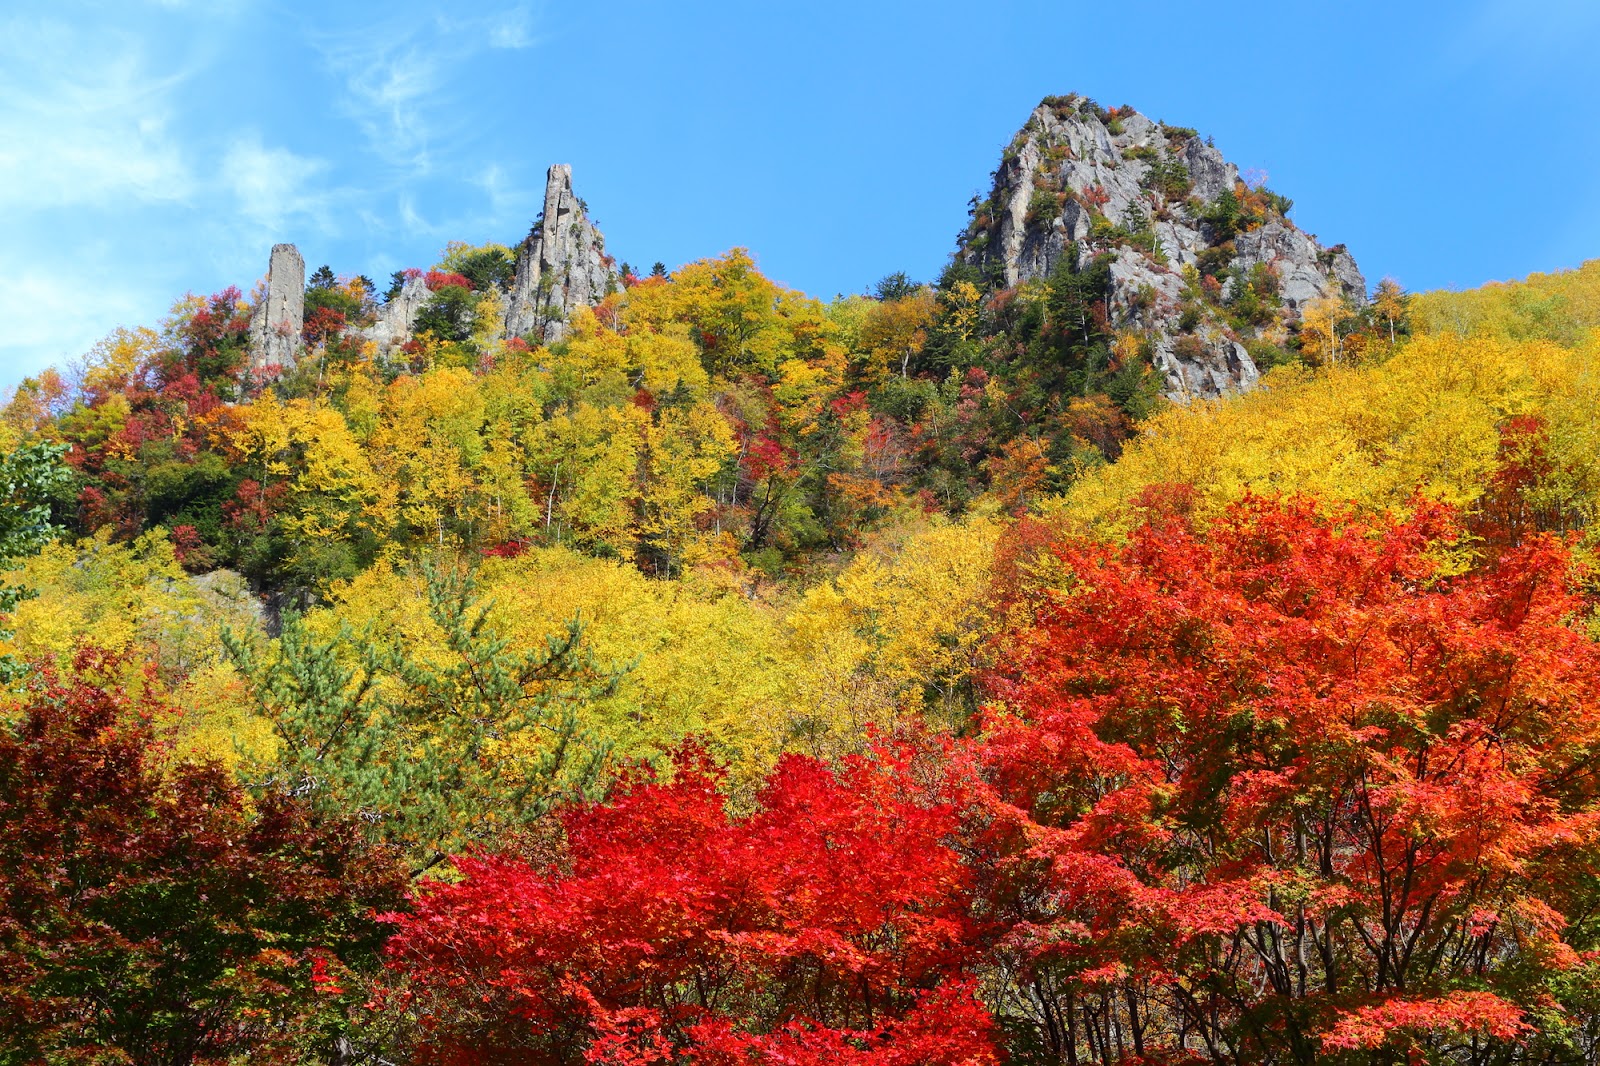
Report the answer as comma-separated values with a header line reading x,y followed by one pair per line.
x,y
829,925
1284,784
149,913
1288,787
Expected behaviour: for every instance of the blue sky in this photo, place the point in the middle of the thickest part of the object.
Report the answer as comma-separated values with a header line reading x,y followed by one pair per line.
x,y
153,147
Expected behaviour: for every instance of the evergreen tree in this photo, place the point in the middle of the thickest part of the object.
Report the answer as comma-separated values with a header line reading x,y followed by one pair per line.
x,y
896,286
433,752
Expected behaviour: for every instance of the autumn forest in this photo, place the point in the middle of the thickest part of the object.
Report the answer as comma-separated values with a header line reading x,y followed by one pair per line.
x,y
710,674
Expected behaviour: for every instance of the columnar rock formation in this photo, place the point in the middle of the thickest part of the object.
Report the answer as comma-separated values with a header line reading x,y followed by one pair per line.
x,y
1187,238
561,266
276,323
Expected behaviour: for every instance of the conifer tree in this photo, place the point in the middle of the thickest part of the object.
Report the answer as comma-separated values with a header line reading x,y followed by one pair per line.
x,y
432,752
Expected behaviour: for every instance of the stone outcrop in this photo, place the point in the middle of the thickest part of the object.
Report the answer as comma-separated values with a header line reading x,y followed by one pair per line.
x,y
562,265
1201,263
279,317
397,316
1305,269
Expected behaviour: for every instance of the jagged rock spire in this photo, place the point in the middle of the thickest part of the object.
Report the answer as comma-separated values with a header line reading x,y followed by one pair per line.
x,y
561,265
277,320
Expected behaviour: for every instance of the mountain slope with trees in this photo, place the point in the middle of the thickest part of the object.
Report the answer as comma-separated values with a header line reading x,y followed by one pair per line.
x,y
725,676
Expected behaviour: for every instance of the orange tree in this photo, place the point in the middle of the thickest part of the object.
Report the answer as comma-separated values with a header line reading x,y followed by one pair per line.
x,y
1278,789
1282,789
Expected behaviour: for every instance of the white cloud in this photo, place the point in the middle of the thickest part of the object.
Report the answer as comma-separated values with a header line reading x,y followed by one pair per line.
x,y
55,310
391,79
399,76
84,121
272,184
122,180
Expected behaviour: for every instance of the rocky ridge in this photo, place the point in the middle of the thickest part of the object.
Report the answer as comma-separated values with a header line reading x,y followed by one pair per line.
x,y
561,266
1203,264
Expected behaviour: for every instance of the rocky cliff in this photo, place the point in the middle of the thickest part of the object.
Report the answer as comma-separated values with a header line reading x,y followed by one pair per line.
x,y
278,318
398,315
561,266
1207,266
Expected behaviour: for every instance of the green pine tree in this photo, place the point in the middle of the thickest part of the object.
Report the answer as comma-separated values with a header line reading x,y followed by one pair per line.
x,y
433,755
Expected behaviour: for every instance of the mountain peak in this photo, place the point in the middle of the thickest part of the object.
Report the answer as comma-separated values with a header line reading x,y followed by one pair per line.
x,y
1206,264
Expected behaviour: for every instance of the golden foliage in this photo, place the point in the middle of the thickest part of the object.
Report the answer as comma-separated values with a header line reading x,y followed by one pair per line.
x,y
1426,420
1561,307
134,598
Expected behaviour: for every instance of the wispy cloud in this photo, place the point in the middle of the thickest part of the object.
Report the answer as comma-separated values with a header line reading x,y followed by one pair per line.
x,y
273,186
400,76
57,303
85,120
126,177
391,80
512,28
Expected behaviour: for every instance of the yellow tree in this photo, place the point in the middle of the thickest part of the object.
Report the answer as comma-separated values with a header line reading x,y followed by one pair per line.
x,y
703,656
1389,303
893,333
133,599
427,447
1319,329
741,321
337,506
899,632
682,449
587,459
1428,420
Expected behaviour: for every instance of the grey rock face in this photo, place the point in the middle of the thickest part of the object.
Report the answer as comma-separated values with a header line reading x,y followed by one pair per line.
x,y
1081,181
561,265
398,317
277,320
1306,271
1212,175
